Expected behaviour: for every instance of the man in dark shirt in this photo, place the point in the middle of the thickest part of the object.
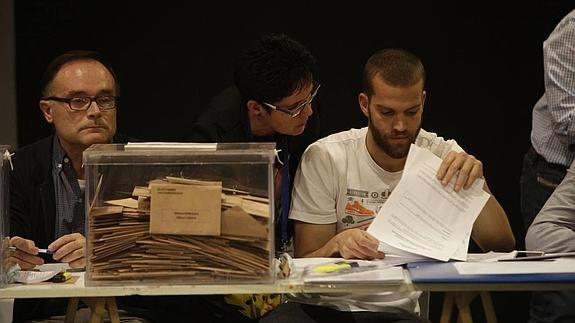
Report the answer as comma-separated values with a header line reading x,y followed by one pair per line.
x,y
273,100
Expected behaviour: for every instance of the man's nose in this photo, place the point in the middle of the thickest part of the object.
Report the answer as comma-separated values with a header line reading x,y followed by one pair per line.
x,y
307,110
398,123
93,110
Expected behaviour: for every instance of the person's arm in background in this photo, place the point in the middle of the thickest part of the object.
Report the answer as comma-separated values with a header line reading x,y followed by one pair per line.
x,y
559,65
553,229
491,230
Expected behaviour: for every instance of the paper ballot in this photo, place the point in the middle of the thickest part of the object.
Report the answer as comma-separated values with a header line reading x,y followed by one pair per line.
x,y
424,217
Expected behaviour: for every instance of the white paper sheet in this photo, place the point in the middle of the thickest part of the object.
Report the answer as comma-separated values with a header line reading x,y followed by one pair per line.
x,y
562,265
380,271
422,216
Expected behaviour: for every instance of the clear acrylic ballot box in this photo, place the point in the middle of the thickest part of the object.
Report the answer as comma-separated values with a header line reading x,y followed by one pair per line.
x,y
179,213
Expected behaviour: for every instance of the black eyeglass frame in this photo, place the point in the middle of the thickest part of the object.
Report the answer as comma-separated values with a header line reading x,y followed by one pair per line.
x,y
85,99
294,112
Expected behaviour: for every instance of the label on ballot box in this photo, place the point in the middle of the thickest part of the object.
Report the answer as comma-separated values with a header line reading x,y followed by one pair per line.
x,y
185,209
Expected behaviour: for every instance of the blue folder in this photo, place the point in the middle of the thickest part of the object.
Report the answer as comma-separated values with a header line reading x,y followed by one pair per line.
x,y
445,272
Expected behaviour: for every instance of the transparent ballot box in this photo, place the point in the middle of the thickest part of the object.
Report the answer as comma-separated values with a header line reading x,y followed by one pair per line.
x,y
4,216
179,213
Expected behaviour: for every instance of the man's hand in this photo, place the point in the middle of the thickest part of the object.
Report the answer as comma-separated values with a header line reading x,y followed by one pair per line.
x,y
358,244
24,253
70,248
460,164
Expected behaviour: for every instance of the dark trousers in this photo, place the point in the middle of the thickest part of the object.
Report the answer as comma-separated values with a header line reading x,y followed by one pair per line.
x,y
538,181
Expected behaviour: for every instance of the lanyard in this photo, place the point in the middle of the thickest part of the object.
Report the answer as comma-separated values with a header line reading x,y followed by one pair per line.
x,y
283,145
284,192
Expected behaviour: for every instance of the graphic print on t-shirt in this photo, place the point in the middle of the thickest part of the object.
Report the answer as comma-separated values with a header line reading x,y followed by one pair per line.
x,y
361,206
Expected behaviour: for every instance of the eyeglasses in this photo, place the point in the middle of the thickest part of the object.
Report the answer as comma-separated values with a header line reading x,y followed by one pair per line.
x,y
297,108
83,103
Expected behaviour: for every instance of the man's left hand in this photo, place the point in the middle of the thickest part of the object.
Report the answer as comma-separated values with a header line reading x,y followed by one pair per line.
x,y
70,248
466,167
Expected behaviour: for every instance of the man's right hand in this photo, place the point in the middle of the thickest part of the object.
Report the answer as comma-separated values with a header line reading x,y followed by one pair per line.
x,y
24,253
358,244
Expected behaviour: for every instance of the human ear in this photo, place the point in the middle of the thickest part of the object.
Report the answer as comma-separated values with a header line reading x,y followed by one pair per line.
x,y
46,111
363,100
423,96
254,107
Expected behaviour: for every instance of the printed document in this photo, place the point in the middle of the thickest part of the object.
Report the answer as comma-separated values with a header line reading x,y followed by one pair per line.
x,y
424,217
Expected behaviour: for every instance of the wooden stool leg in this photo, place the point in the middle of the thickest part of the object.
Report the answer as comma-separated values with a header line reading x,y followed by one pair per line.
x,y
463,300
97,305
488,308
71,310
448,301
112,309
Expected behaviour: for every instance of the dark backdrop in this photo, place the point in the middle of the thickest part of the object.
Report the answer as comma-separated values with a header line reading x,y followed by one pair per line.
x,y
483,59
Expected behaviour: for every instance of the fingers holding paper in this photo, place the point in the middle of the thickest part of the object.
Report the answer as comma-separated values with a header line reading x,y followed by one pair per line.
x,y
23,252
321,240
464,167
358,244
70,248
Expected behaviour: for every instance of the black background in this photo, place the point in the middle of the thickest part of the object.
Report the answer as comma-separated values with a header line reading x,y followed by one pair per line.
x,y
483,60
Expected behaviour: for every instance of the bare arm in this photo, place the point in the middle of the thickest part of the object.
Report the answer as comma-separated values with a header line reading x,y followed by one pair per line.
x,y
321,240
491,230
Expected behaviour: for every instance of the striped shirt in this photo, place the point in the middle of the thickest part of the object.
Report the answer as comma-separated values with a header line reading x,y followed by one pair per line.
x,y
553,132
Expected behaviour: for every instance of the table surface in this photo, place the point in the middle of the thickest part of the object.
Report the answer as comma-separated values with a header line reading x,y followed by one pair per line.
x,y
78,288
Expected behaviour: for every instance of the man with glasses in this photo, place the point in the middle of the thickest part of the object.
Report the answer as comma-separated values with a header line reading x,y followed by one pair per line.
x,y
274,99
79,98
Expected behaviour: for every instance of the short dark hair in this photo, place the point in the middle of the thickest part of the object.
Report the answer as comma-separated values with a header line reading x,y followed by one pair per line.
x,y
70,56
397,67
274,67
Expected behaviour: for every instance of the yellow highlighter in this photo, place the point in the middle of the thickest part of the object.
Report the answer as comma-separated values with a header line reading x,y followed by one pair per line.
x,y
61,277
335,267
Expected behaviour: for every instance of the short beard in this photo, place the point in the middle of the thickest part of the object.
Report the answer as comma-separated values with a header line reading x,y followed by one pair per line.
x,y
381,140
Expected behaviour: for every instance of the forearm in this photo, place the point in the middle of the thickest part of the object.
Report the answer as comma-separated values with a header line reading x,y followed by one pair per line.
x,y
491,230
315,240
330,249
553,230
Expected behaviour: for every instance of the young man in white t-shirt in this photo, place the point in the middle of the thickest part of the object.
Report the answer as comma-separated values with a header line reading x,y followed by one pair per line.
x,y
344,179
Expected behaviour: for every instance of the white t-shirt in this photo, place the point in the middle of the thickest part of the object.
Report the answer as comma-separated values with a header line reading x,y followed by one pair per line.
x,y
338,182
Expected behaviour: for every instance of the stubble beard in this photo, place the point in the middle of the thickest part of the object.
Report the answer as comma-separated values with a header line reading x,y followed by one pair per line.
x,y
393,151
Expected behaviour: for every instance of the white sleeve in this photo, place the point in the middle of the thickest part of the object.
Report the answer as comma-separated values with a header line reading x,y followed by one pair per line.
x,y
314,194
553,229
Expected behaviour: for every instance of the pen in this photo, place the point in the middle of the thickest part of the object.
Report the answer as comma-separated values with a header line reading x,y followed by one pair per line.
x,y
45,251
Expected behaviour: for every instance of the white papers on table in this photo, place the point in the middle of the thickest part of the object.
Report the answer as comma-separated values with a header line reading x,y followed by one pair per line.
x,y
561,265
30,277
423,217
369,271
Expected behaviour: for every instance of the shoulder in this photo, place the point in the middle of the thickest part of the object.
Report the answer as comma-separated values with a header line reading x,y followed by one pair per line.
x,y
338,145
221,120
438,145
33,159
120,138
344,138
40,148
